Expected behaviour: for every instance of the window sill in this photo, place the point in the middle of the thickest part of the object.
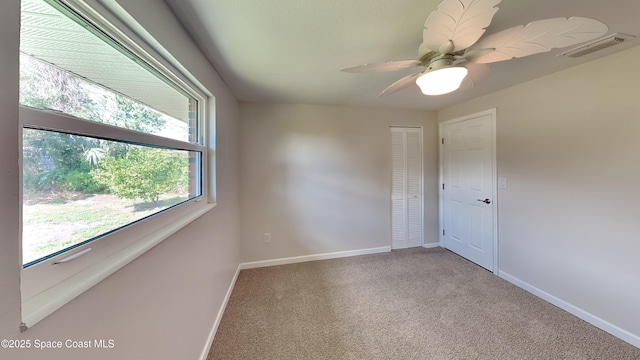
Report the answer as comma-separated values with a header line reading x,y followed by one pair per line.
x,y
45,303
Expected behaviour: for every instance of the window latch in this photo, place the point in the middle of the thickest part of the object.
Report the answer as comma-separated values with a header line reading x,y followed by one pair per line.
x,y
72,257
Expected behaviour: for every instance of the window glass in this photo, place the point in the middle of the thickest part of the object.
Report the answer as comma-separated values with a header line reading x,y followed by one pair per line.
x,y
78,188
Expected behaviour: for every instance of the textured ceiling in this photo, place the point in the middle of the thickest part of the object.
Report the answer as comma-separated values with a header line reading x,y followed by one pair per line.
x,y
290,51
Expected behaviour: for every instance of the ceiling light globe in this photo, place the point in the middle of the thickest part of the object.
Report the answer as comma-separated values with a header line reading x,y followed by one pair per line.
x,y
442,81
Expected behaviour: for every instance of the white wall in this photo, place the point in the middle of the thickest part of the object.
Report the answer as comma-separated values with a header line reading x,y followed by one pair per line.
x,y
318,178
162,305
569,225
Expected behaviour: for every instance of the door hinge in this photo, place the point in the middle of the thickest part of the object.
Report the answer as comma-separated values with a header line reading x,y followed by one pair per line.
x,y
443,232
442,141
442,186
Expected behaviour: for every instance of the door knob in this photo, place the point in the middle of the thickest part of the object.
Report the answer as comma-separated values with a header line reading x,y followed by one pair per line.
x,y
486,201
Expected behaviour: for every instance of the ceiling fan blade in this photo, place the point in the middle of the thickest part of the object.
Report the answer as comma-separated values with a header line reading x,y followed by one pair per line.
x,y
477,74
538,36
400,84
381,67
472,54
460,21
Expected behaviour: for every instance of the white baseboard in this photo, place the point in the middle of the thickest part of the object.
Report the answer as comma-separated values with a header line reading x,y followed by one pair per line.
x,y
299,259
574,310
431,246
216,323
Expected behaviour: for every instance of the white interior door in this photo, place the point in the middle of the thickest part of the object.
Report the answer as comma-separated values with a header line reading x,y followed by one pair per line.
x,y
406,187
468,188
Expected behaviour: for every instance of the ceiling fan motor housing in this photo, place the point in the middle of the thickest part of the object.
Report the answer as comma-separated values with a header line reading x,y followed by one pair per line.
x,y
440,62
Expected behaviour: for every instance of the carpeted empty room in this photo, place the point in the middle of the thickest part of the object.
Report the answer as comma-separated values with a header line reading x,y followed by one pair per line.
x,y
408,304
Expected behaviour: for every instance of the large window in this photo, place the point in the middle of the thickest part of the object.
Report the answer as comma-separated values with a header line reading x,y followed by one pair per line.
x,y
110,139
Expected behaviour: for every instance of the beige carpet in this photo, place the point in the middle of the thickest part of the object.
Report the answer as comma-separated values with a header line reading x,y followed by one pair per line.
x,y
407,304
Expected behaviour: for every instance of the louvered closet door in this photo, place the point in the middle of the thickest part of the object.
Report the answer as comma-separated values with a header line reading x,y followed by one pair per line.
x,y
406,187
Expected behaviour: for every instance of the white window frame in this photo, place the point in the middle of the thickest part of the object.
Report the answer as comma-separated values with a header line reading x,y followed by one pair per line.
x,y
46,287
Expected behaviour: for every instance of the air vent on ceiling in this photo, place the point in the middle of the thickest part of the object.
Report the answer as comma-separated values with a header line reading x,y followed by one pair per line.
x,y
615,39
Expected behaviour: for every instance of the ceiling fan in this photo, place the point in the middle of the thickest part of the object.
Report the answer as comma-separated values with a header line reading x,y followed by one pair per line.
x,y
456,58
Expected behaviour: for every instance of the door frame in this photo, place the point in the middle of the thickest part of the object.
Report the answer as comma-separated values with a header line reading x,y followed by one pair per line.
x,y
494,175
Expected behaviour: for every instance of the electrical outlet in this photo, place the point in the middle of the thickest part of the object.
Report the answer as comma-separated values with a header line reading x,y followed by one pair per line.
x,y
267,238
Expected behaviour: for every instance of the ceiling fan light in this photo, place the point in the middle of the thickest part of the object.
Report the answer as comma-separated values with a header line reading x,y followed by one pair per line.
x,y
442,81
